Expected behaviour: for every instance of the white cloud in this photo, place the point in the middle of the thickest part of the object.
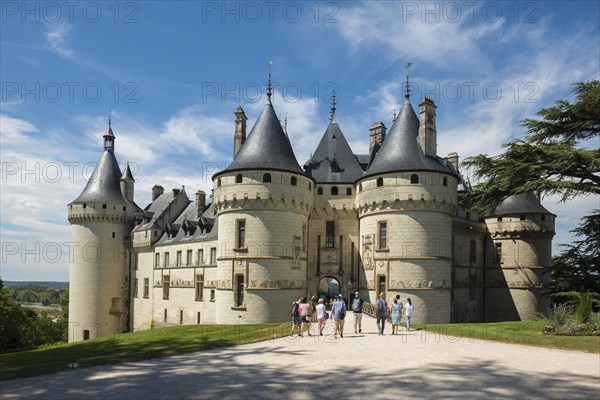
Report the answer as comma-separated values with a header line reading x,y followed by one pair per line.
x,y
390,30
56,36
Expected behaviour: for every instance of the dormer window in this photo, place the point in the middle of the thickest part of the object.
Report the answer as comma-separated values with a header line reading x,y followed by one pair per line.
x,y
348,191
445,181
267,178
414,178
320,190
238,178
379,182
219,182
293,181
104,206
334,191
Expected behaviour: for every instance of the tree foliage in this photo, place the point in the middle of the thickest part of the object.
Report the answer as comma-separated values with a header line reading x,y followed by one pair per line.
x,y
550,160
22,328
577,269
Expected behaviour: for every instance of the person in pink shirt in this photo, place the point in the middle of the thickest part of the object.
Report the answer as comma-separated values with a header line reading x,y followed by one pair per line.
x,y
304,311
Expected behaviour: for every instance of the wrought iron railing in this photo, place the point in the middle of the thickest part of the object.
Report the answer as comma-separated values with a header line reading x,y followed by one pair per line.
x,y
369,309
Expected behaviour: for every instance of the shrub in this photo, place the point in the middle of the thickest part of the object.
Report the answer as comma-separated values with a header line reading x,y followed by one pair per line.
x,y
584,308
559,314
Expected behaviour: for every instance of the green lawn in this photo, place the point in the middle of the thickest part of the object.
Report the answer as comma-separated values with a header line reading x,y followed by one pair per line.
x,y
135,346
522,332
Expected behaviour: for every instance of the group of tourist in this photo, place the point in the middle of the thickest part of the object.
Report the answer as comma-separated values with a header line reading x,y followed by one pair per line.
x,y
303,312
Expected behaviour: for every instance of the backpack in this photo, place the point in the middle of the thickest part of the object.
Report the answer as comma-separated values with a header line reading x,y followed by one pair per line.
x,y
294,310
356,305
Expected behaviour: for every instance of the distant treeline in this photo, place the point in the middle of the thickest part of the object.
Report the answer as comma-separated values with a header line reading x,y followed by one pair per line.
x,y
24,328
46,293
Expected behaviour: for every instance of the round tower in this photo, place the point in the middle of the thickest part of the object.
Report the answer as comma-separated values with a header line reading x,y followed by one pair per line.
x,y
101,219
405,202
519,253
262,202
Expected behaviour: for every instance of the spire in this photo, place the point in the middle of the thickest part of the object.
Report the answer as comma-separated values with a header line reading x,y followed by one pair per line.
x,y
109,137
408,67
332,117
269,83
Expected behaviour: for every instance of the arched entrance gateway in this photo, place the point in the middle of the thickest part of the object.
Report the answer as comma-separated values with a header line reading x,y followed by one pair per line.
x,y
328,288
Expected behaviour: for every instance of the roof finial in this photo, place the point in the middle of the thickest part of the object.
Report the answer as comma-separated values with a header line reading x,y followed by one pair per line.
x,y
408,67
394,115
332,118
269,84
285,124
109,112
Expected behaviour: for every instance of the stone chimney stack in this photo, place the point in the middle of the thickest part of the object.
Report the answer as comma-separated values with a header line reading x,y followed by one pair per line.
x,y
157,190
200,202
427,129
377,135
453,159
240,130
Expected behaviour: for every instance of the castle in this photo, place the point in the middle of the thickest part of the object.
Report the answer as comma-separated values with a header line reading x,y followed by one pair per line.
x,y
388,221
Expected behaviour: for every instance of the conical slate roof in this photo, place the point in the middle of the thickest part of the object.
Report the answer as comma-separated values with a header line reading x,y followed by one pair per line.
x,y
400,151
104,184
127,175
523,203
267,147
333,160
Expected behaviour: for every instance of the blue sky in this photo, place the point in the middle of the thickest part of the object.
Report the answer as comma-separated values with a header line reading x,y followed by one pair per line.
x,y
174,72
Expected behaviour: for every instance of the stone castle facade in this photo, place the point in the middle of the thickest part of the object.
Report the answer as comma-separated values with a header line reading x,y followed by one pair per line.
x,y
273,231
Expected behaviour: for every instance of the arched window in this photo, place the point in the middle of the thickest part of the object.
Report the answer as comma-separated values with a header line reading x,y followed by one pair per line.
x,y
360,187
334,191
348,191
320,190
445,181
219,182
238,178
267,178
414,178
293,181
379,182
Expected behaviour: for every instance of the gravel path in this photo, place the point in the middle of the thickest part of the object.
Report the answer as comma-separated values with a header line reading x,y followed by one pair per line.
x,y
415,364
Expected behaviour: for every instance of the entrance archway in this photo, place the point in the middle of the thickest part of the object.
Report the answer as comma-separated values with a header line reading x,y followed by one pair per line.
x,y
328,288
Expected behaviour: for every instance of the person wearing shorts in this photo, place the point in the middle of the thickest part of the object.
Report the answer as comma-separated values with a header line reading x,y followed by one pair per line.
x,y
338,310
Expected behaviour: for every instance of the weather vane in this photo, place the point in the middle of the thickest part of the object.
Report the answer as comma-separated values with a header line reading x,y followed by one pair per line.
x,y
408,67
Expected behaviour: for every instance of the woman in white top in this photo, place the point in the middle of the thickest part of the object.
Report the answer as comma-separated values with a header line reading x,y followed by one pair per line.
x,y
408,309
321,316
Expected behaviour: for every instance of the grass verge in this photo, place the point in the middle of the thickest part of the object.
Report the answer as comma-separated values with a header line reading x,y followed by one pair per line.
x,y
134,347
521,332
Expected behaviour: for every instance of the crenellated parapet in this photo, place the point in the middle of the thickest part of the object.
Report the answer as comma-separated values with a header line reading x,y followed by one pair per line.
x,y
433,192
100,213
263,190
540,225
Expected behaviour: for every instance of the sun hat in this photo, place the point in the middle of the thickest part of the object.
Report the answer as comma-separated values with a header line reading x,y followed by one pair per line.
x,y
340,296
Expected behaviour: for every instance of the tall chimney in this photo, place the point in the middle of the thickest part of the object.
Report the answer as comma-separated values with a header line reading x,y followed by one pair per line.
x,y
427,129
240,130
377,135
157,190
200,202
453,159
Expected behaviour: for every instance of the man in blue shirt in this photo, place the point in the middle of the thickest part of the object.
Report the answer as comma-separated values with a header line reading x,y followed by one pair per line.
x,y
338,310
381,309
